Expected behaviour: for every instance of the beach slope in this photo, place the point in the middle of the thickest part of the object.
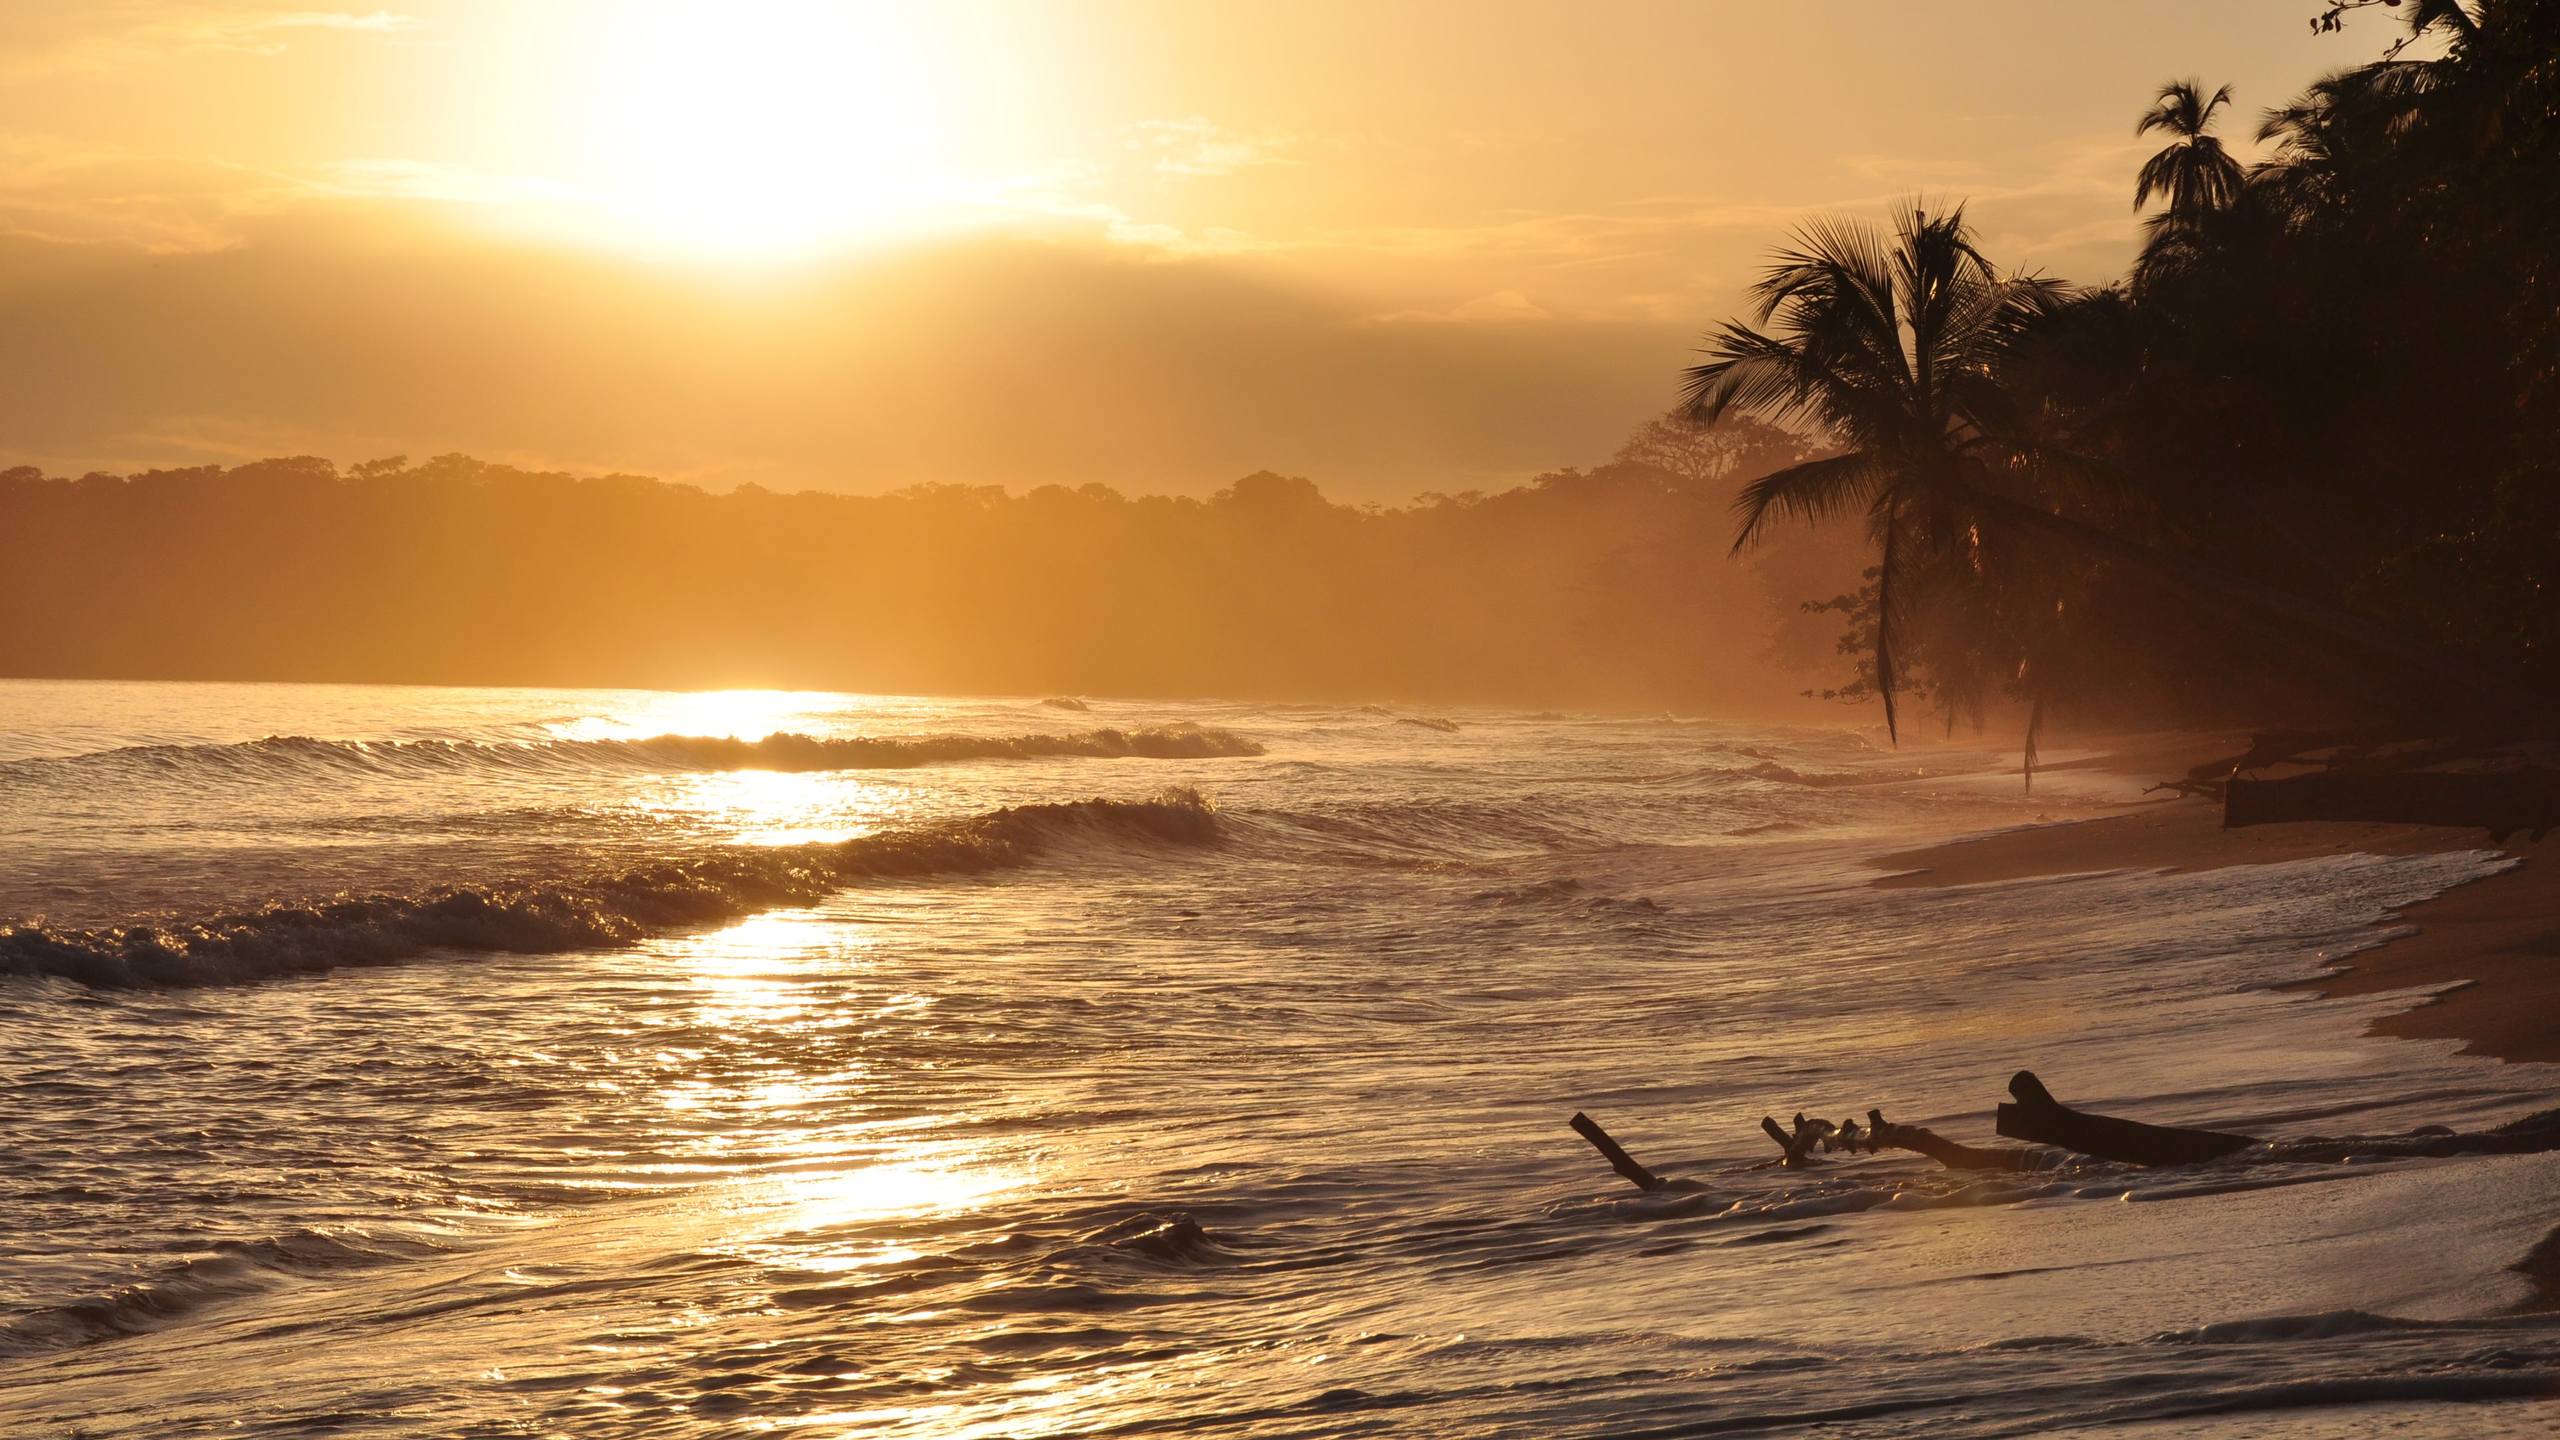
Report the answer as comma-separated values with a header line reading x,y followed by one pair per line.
x,y
2490,949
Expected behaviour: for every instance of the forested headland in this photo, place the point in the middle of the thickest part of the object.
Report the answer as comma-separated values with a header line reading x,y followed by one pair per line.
x,y
1603,586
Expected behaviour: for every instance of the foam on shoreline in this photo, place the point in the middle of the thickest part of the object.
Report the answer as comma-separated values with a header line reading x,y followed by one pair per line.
x,y
2484,947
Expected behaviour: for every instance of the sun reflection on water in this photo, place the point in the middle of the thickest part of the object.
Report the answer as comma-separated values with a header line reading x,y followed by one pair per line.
x,y
771,807
927,1184
780,1052
730,714
787,989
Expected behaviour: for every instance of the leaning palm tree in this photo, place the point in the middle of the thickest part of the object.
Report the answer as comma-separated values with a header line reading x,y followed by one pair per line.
x,y
1899,349
2194,174
1890,345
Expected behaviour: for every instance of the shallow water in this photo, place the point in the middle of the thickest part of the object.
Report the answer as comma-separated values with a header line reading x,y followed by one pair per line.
x,y
920,1098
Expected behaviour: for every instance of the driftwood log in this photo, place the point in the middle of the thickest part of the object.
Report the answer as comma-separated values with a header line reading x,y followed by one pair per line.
x,y
2039,1119
1619,1160
2500,802
1884,1135
2035,1116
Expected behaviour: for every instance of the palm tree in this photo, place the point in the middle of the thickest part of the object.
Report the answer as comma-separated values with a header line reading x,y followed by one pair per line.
x,y
2406,121
1902,349
2193,173
1890,345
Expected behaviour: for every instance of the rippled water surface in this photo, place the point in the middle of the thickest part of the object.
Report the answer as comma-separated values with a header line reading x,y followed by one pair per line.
x,y
449,1062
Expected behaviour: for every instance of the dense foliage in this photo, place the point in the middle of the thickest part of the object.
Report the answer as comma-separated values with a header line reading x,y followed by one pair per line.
x,y
2308,453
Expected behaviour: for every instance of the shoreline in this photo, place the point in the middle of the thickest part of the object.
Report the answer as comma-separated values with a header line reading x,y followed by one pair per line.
x,y
2488,948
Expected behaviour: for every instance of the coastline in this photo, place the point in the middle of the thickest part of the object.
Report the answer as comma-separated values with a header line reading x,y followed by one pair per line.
x,y
2489,948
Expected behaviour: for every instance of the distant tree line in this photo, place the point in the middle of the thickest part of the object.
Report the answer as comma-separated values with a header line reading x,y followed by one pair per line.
x,y
2308,454
1583,587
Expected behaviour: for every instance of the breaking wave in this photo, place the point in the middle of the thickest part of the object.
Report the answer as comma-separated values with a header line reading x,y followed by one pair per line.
x,y
782,751
598,911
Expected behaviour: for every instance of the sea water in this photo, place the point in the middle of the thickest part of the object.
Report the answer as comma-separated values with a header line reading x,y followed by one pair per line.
x,y
390,1061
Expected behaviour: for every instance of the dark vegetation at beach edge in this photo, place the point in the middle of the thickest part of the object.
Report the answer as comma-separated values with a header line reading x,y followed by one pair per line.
x,y
2311,448
2304,463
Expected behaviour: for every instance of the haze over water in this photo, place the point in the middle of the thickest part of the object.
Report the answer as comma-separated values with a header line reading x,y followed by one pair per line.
x,y
998,1067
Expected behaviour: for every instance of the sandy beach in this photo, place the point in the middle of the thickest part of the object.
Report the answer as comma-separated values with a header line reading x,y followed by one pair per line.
x,y
2488,948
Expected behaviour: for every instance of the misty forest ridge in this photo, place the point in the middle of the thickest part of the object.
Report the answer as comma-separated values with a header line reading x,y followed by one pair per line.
x,y
1581,587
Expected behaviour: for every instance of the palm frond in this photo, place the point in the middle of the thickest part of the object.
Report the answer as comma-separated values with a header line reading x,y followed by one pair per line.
x,y
1754,373
1814,491
2426,15
2158,176
2178,109
1833,290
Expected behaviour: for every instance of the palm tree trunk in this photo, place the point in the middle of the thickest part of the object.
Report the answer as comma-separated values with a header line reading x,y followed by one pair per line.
x,y
1885,597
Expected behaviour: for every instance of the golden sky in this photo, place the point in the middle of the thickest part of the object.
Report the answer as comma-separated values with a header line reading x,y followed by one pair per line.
x,y
1395,247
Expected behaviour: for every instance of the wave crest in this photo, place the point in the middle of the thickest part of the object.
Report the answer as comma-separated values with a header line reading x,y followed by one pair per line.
x,y
595,912
786,750
807,752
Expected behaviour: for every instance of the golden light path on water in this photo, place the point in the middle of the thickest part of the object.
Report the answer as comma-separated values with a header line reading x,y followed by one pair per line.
x,y
1155,1119
828,1192
765,807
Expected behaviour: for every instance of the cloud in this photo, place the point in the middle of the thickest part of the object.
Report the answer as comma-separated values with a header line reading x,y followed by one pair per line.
x,y
41,46
254,33
1067,199
1499,308
1686,256
53,189
995,360
382,20
1196,147
436,180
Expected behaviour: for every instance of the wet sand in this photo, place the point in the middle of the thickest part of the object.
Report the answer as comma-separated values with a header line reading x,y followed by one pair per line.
x,y
2491,947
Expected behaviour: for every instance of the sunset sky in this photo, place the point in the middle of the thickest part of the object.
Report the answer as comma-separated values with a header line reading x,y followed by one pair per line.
x,y
1395,248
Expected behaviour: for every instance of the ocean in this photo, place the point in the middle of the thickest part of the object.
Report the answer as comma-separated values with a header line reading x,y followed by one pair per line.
x,y
444,1062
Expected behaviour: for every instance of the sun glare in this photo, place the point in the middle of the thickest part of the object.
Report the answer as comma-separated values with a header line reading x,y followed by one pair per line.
x,y
756,128
730,714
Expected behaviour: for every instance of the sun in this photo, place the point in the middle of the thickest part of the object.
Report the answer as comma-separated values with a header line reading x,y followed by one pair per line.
x,y
754,127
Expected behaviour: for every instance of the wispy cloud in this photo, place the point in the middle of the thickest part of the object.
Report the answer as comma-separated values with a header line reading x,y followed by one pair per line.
x,y
1196,146
149,33
397,179
264,34
53,189
2067,211
1502,307
1068,196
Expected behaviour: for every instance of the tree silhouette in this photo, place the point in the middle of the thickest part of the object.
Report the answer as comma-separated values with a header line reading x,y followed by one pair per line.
x,y
2193,174
1890,345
